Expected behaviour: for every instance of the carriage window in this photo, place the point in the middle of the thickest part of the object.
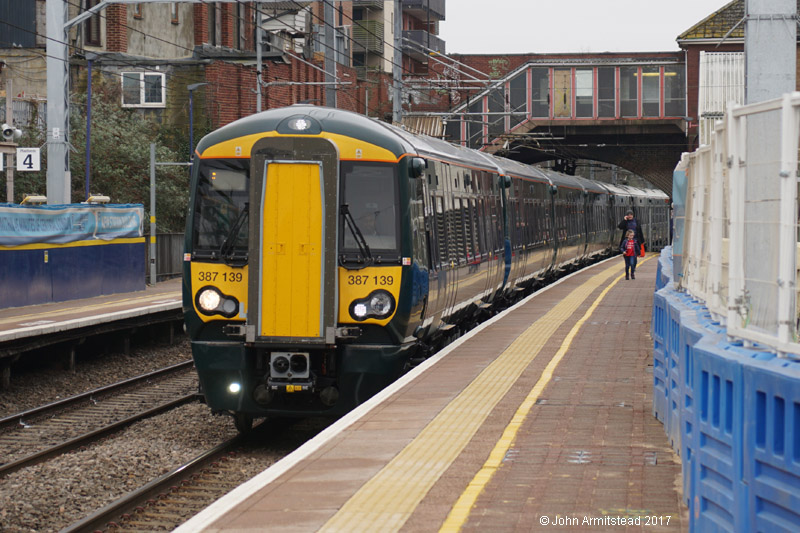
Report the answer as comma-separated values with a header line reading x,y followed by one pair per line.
x,y
222,194
370,191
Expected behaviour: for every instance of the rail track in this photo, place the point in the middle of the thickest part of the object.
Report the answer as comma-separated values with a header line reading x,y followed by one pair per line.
x,y
45,432
167,502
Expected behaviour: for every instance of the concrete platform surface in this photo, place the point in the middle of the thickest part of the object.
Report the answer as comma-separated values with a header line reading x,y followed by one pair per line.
x,y
538,420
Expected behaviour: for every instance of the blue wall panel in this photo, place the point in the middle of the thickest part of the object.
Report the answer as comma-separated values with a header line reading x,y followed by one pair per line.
x,y
69,272
24,277
124,269
76,272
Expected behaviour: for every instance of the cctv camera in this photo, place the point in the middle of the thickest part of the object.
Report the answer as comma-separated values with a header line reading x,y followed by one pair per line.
x,y
10,132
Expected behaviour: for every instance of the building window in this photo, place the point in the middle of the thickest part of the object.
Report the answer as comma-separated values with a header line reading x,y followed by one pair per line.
x,y
584,93
137,11
606,106
214,26
239,30
540,92
92,36
629,91
650,91
173,11
143,89
674,92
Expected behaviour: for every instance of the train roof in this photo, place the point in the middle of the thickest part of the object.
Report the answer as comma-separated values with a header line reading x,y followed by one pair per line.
x,y
331,120
401,142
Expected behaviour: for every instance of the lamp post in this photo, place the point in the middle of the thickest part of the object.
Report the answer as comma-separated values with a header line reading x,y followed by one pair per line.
x,y
90,57
191,89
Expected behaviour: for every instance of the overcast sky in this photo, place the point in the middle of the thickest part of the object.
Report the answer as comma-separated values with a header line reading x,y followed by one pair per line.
x,y
546,26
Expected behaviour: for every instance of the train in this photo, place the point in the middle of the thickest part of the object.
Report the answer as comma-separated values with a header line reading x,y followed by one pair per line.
x,y
326,253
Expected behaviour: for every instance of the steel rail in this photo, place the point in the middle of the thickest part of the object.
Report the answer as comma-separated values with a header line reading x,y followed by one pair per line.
x,y
92,436
19,418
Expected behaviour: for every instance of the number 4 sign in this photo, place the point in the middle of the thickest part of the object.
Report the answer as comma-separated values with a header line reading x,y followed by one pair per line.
x,y
27,159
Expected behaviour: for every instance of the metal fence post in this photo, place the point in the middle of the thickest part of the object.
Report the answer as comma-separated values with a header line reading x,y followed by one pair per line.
x,y
153,274
787,248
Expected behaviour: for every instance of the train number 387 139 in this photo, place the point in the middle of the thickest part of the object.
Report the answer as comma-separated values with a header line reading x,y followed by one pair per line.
x,y
233,277
365,280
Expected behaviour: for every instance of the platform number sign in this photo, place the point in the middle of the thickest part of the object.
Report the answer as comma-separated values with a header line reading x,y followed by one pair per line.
x,y
27,159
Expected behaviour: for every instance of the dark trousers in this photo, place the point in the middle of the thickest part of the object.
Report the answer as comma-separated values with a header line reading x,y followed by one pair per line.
x,y
630,264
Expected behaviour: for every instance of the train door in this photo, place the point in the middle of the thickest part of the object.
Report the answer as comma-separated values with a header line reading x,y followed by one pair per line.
x,y
422,264
292,282
448,281
562,93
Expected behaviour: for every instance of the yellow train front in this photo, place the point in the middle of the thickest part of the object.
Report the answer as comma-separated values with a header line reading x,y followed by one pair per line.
x,y
299,290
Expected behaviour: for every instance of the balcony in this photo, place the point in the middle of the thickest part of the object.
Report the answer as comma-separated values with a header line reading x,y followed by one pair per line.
x,y
422,9
368,36
417,42
370,4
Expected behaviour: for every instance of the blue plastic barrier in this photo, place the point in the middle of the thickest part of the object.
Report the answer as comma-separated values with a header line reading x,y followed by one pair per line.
x,y
658,332
733,415
719,495
692,332
772,444
664,273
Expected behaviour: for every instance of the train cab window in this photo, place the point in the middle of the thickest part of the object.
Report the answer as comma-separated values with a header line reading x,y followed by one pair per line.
x,y
220,217
370,192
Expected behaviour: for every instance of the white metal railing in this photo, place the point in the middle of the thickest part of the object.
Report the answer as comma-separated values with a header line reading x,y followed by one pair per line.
x,y
740,242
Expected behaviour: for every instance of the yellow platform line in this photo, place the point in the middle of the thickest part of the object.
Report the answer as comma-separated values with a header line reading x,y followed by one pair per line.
x,y
91,307
459,514
387,500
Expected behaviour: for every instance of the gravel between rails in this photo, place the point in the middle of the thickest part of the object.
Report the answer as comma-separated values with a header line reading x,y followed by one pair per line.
x,y
46,381
53,495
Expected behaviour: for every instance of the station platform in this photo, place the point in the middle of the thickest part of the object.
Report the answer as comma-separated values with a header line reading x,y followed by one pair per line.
x,y
20,322
540,419
27,328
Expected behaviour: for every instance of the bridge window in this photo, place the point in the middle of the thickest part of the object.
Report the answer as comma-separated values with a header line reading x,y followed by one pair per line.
x,y
674,88
606,101
540,92
584,93
453,129
517,99
475,125
629,91
496,118
650,91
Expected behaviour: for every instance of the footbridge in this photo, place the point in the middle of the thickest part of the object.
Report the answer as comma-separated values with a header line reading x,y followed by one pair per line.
x,y
623,109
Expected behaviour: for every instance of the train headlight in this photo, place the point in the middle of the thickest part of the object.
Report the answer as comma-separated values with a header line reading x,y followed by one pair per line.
x,y
234,388
208,300
212,302
379,304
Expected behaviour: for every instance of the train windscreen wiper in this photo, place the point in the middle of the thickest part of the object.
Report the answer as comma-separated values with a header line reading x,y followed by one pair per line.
x,y
226,248
350,222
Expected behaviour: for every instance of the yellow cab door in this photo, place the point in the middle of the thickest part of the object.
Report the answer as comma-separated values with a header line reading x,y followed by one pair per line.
x,y
290,277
